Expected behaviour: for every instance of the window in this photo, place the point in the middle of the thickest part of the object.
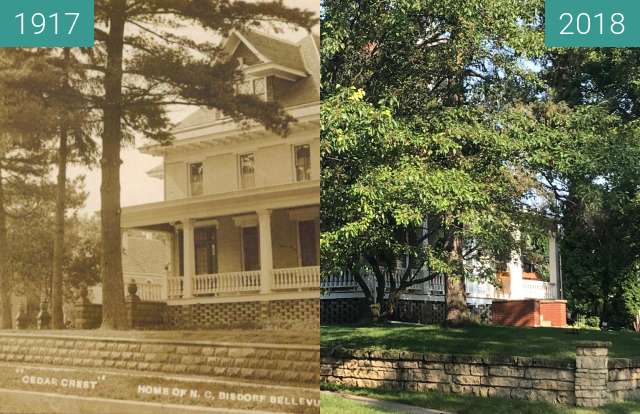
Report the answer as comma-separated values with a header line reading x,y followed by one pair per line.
x,y
247,171
250,248
196,175
302,154
257,86
260,88
205,250
308,243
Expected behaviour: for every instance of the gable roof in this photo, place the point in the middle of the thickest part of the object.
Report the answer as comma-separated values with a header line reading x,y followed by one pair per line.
x,y
275,50
270,49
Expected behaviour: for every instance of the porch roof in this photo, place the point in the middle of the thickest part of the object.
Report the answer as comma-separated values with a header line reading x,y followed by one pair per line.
x,y
156,215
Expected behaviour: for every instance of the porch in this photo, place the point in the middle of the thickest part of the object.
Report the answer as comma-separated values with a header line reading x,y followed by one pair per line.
x,y
344,286
261,255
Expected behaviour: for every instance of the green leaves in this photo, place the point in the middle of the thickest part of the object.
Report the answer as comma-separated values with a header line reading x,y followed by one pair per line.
x,y
382,176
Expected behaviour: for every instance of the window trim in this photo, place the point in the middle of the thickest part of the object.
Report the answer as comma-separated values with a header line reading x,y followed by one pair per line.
x,y
293,156
190,182
240,155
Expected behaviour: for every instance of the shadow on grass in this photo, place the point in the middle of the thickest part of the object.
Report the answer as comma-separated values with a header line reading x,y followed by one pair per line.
x,y
466,404
556,343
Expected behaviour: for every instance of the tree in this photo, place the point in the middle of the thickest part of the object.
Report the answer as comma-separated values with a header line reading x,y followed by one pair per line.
x,y
145,62
23,157
598,192
440,59
74,132
390,175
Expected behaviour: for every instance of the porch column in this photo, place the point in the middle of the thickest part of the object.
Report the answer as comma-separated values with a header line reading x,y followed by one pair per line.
x,y
266,253
515,276
169,252
189,258
553,265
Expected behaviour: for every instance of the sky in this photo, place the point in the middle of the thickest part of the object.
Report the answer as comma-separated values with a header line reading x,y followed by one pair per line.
x,y
137,187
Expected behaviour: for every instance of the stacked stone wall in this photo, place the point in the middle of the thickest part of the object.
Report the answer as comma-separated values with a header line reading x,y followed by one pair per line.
x,y
591,380
518,378
624,379
279,363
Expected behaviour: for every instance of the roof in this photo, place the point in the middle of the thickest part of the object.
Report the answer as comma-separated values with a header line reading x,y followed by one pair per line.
x,y
277,50
144,255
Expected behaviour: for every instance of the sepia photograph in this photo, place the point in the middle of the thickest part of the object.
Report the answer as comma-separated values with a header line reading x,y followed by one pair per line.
x,y
160,212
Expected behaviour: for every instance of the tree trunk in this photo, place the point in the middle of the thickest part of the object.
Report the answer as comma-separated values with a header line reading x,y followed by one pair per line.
x,y
57,283
113,315
454,289
5,286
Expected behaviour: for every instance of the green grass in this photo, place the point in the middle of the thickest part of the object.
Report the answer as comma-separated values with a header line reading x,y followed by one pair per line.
x,y
461,404
477,340
332,404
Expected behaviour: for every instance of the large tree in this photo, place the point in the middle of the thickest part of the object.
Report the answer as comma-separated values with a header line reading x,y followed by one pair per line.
x,y
404,193
147,57
439,60
24,157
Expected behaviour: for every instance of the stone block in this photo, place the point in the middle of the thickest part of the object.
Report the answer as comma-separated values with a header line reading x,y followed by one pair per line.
x,y
549,373
466,379
546,384
506,371
591,363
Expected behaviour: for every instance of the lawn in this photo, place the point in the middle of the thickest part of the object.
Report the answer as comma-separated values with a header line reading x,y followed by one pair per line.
x,y
272,336
460,404
477,340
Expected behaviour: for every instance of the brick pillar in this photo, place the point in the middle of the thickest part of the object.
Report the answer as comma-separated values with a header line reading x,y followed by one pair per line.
x,y
591,373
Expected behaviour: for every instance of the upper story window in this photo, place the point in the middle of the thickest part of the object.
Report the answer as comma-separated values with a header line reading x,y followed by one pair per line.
x,y
302,158
196,178
247,171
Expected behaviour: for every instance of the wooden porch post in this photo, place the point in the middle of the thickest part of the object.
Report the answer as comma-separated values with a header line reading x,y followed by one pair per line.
x,y
266,252
170,257
189,258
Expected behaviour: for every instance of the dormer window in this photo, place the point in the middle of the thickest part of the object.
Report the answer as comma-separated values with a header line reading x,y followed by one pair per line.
x,y
260,88
196,178
255,86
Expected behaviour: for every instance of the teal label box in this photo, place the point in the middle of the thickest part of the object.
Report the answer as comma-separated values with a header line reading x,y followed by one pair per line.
x,y
46,23
592,23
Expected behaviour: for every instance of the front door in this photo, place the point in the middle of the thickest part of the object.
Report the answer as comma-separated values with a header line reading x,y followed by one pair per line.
x,y
206,250
308,243
250,248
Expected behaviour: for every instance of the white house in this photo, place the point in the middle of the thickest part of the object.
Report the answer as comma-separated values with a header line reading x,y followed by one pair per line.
x,y
241,204
517,281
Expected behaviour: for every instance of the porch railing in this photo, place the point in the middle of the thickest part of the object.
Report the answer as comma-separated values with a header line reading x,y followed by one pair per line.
x,y
234,282
148,292
296,278
174,287
537,289
345,283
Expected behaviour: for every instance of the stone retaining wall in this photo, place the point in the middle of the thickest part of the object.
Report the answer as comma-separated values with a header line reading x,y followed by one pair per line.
x,y
585,381
279,363
624,379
